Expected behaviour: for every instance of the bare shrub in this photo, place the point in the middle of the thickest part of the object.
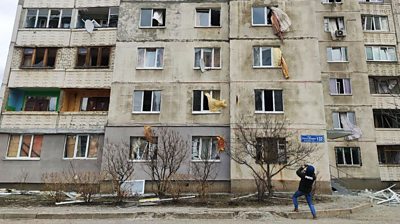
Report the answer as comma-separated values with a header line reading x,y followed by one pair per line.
x,y
55,184
204,173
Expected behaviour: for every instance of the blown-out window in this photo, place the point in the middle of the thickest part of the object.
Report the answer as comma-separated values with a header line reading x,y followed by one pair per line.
x,y
374,23
268,100
348,156
343,120
81,146
381,53
152,18
150,57
200,100
339,86
337,54
26,146
146,101
48,18
101,17
205,148
271,150
39,57
93,57
141,149
207,57
208,17
261,16
95,103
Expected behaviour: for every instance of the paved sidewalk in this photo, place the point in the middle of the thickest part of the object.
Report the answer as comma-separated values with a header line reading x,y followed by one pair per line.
x,y
340,206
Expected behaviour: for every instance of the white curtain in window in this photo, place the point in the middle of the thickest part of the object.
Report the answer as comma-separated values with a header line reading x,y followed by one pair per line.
x,y
157,15
348,125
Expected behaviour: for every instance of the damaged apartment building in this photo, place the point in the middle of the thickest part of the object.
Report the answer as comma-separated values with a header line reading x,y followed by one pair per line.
x,y
83,73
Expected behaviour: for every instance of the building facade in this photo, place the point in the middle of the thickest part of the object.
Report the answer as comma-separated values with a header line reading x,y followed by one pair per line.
x,y
82,74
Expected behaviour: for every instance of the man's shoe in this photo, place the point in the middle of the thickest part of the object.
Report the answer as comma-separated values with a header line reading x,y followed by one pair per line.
x,y
296,210
314,217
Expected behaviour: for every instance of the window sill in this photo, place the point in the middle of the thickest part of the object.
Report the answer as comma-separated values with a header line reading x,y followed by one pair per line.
x,y
30,112
389,165
261,25
139,161
387,129
208,68
266,67
202,27
205,161
152,27
95,29
20,159
333,62
94,67
146,112
376,61
79,159
348,166
338,94
269,112
36,68
331,3
205,112
385,94
377,31
149,68
43,29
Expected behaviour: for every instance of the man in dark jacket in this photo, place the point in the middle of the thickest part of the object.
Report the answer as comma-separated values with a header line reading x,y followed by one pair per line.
x,y
307,175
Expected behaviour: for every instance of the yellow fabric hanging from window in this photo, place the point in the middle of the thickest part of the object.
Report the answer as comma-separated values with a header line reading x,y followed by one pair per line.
x,y
279,61
148,133
215,105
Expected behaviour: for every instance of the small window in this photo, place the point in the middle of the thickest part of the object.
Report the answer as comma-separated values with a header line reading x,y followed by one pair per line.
x,y
268,100
200,100
146,101
93,57
337,54
39,57
350,156
150,57
262,56
210,57
384,85
333,24
101,17
389,154
48,18
331,1
26,146
343,120
208,17
386,118
339,87
95,103
205,148
81,146
374,23
377,53
142,150
152,18
40,103
271,150
261,16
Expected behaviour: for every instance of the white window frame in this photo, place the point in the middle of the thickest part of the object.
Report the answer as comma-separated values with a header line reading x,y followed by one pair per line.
x,y
343,53
202,49
349,92
203,97
76,148
379,49
337,114
265,17
196,25
339,20
151,147
261,55
334,2
199,149
364,19
263,111
159,50
151,22
371,1
351,156
101,25
18,157
48,19
141,106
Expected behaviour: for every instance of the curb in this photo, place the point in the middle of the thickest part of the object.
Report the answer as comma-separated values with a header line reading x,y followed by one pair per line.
x,y
191,215
325,213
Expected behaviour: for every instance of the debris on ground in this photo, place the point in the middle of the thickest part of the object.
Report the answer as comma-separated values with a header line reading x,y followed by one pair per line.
x,y
386,196
156,201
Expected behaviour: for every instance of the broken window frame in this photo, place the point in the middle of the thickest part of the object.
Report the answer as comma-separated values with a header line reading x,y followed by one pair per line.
x,y
342,154
388,154
381,85
150,149
336,121
263,148
80,24
200,147
143,58
20,146
87,56
343,54
85,102
61,17
258,52
51,105
215,94
267,16
210,11
339,85
386,118
138,100
34,57
377,52
151,22
90,138
263,102
383,22
339,22
215,51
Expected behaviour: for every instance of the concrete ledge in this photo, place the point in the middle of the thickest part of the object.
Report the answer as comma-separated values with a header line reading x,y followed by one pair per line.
x,y
325,213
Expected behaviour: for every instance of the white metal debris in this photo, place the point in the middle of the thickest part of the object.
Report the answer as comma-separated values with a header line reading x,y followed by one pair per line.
x,y
385,196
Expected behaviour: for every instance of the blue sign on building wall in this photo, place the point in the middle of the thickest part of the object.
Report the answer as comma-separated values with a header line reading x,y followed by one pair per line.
x,y
313,138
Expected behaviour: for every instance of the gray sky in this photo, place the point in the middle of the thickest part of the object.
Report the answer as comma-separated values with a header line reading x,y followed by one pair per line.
x,y
7,15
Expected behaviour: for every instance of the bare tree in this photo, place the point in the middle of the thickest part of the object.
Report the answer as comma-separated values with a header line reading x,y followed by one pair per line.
x,y
167,159
204,172
266,146
118,166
